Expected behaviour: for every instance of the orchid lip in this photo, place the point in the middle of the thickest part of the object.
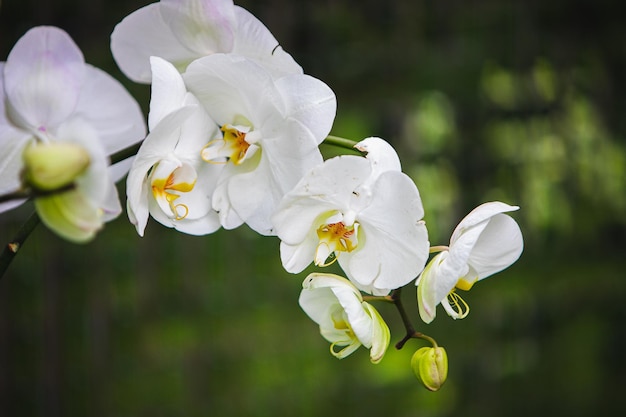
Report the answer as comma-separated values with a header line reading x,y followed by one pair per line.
x,y
237,145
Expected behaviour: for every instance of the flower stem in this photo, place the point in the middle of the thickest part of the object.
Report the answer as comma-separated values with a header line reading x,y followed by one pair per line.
x,y
11,249
125,153
340,142
411,333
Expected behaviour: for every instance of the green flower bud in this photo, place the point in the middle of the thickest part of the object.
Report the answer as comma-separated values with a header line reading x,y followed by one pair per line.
x,y
430,365
51,166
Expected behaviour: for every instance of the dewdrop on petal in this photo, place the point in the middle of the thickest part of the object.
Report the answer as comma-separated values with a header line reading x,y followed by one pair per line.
x,y
430,365
52,166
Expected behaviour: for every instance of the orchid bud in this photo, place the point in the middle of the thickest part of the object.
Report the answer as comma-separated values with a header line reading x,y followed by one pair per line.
x,y
52,166
430,365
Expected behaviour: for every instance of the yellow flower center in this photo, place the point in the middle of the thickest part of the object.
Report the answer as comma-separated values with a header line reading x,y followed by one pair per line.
x,y
165,191
236,145
335,238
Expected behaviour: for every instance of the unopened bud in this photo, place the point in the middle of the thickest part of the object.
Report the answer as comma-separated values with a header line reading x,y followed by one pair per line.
x,y
52,166
430,365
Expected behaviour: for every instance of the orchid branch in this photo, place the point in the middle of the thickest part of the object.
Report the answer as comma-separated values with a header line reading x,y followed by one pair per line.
x,y
411,333
11,249
340,142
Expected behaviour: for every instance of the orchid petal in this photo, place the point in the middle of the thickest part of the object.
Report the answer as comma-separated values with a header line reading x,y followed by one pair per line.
x,y
143,34
203,26
168,90
396,240
499,245
43,74
254,40
111,110
314,106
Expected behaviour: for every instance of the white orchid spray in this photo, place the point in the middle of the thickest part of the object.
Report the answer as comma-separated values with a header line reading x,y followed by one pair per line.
x,y
486,241
363,212
60,118
234,132
181,31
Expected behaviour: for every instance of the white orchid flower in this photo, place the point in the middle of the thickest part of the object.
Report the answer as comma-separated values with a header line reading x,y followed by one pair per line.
x,y
345,320
363,212
486,241
50,99
181,31
169,179
271,132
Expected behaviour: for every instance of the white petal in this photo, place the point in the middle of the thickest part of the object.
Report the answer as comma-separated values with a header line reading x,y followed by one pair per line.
x,y
254,198
381,154
295,258
480,214
499,245
229,219
230,85
110,110
360,320
168,90
254,40
43,74
309,101
143,34
12,143
380,334
395,240
433,287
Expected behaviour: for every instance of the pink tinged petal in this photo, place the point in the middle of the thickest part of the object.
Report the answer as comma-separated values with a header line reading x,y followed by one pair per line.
x,y
203,26
254,40
143,34
111,111
44,74
168,90
395,247
309,101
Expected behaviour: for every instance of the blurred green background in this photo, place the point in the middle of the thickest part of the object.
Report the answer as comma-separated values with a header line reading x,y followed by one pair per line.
x,y
522,102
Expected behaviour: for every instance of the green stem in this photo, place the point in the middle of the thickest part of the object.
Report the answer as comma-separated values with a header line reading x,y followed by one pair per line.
x,y
386,298
411,333
125,153
11,249
340,142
